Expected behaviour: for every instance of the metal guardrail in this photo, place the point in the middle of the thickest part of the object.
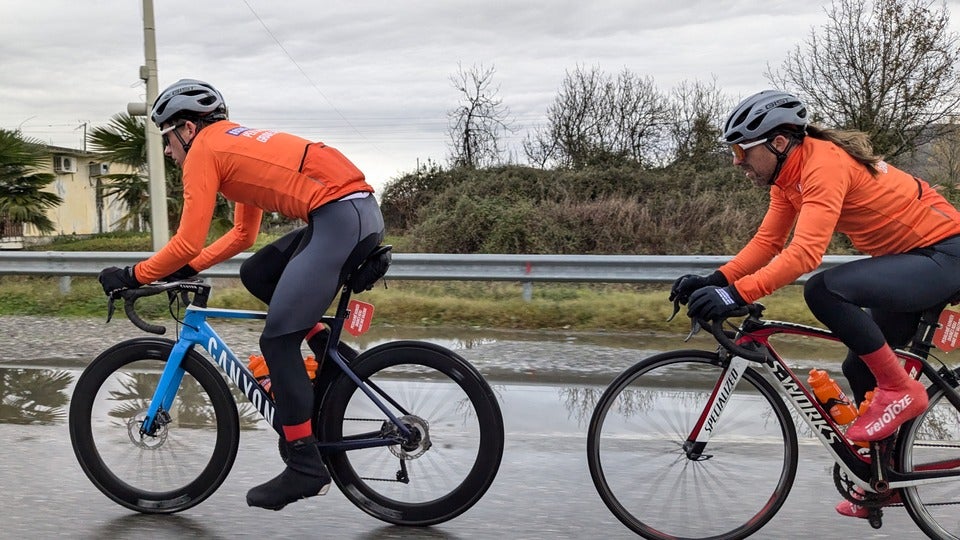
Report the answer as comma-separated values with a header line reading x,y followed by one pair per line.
x,y
426,266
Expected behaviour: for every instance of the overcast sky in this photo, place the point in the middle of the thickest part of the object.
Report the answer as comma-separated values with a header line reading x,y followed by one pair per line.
x,y
372,77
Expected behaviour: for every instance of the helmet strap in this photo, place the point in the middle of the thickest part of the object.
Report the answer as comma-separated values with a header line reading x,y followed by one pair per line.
x,y
198,123
781,157
183,143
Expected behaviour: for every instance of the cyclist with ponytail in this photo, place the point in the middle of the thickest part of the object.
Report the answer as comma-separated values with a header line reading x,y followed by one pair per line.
x,y
823,181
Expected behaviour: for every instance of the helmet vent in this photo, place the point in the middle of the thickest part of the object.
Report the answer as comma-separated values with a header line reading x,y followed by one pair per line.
x,y
739,119
755,123
762,113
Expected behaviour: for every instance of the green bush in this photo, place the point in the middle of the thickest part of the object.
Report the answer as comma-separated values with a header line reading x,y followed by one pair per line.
x,y
626,209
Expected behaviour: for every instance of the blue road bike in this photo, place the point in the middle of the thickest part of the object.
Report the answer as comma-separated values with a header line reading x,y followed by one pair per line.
x,y
411,432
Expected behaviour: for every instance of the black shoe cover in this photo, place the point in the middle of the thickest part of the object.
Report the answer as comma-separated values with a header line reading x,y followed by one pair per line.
x,y
305,476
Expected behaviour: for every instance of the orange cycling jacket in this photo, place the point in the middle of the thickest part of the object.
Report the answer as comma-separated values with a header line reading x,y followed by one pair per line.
x,y
260,170
822,189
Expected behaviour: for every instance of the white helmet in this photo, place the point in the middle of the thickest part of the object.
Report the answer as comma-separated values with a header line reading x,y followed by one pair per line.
x,y
762,113
188,98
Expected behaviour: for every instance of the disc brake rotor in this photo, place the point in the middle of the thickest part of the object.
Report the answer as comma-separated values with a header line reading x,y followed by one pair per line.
x,y
143,440
419,441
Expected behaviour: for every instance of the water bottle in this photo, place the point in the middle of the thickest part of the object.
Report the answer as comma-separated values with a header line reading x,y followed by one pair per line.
x,y
258,366
867,398
863,408
831,396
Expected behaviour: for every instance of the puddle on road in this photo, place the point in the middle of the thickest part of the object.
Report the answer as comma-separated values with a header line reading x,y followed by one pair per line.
x,y
41,396
571,368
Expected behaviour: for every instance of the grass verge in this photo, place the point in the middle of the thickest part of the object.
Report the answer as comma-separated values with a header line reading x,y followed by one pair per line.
x,y
579,307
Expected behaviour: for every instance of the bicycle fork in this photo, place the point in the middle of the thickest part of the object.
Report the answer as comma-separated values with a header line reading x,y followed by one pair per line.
x,y
697,441
158,411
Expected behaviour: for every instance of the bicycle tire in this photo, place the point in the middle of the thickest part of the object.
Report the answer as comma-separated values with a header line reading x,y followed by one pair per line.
x,y
932,441
188,458
641,472
448,402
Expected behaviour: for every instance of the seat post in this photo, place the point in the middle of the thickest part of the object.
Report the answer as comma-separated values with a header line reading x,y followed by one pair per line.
x,y
923,338
343,303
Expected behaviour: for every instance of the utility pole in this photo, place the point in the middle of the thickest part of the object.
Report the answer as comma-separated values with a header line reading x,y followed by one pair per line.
x,y
157,178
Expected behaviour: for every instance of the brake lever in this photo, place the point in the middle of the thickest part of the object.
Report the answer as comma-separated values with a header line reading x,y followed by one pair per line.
x,y
694,329
694,324
110,306
676,308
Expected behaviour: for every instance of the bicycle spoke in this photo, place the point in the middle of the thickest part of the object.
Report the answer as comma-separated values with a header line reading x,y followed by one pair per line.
x,y
187,456
636,456
455,443
932,442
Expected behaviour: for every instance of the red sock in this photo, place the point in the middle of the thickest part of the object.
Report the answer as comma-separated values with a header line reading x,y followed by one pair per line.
x,y
299,431
898,398
886,368
317,328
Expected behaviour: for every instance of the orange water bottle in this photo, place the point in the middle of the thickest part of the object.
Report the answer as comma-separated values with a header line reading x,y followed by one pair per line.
x,y
832,398
258,366
867,398
863,408
311,364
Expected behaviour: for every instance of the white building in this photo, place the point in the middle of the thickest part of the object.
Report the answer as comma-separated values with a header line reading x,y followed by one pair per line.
x,y
79,180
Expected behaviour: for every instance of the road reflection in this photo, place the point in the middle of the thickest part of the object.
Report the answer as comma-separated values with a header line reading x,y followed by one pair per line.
x,y
577,366
547,383
34,396
154,526
40,396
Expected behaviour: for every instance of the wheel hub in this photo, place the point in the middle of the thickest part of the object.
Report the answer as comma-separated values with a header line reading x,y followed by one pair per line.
x,y
142,439
419,440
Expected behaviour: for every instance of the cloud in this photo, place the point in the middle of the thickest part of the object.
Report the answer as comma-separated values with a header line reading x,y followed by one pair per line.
x,y
372,78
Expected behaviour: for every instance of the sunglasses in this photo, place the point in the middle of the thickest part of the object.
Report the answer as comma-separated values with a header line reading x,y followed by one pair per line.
x,y
740,149
164,133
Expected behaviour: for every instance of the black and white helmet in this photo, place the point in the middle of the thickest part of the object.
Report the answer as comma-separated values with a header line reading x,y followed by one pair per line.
x,y
761,113
188,97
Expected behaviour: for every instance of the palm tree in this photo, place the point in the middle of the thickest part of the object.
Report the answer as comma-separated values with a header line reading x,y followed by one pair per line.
x,y
123,140
21,197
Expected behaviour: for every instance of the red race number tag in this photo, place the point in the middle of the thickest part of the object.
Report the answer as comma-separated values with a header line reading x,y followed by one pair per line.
x,y
947,336
361,313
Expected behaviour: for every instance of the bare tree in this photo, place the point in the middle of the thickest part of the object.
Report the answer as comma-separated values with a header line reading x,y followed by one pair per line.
x,y
478,122
540,148
697,110
939,161
598,119
888,69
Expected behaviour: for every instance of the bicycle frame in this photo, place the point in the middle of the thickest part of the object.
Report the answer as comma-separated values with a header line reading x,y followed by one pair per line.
x,y
857,466
197,331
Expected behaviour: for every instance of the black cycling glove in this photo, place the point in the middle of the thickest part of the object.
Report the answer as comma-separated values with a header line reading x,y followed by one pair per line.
x,y
115,279
184,272
686,284
712,302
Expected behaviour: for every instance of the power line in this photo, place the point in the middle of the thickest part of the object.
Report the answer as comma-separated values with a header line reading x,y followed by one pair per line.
x,y
303,72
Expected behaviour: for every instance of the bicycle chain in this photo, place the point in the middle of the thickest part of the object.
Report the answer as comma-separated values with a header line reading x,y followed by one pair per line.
x,y
866,499
393,480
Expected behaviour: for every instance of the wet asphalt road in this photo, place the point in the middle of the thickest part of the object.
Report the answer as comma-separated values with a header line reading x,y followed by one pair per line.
x,y
546,383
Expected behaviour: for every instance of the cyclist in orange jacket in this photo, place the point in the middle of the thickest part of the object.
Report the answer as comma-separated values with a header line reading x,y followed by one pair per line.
x,y
297,275
823,181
